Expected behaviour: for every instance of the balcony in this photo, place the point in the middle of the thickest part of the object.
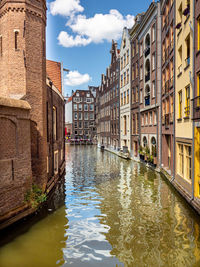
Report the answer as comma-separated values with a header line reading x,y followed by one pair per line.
x,y
147,100
147,77
196,108
147,51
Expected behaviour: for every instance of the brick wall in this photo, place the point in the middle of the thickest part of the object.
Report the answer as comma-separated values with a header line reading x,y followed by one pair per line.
x,y
15,154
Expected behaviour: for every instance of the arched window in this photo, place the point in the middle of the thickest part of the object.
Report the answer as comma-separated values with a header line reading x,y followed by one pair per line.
x,y
144,141
153,146
147,67
147,41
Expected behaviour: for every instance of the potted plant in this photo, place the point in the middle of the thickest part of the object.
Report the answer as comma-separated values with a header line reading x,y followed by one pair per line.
x,y
147,153
141,153
154,155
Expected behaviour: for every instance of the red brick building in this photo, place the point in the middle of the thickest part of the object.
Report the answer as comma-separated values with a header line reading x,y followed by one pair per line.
x,y
25,101
168,96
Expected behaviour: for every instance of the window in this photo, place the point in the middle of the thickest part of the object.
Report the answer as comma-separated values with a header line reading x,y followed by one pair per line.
x,y
141,73
80,107
142,119
80,124
127,75
75,107
153,33
187,60
121,99
124,98
136,93
125,126
16,39
91,116
188,156
141,96
54,123
122,80
127,57
75,124
153,61
180,105
91,107
85,107
180,159
124,59
187,101
146,119
75,116
128,96
150,118
80,115
56,162
155,117
86,116
153,89
180,60
86,124
198,86
121,64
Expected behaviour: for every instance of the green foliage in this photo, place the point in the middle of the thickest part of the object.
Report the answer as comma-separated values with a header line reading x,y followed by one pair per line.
x,y
34,196
141,150
147,150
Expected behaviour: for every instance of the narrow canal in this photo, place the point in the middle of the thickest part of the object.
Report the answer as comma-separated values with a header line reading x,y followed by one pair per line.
x,y
115,213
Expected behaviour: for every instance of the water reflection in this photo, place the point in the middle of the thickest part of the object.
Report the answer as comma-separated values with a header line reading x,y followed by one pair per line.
x,y
116,213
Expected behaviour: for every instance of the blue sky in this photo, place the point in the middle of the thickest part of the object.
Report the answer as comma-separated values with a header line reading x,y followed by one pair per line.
x,y
79,34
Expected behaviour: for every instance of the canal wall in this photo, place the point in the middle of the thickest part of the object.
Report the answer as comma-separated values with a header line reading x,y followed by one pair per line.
x,y
193,202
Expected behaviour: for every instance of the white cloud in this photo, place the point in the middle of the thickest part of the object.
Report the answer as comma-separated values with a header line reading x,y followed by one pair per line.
x,y
67,40
65,7
74,78
101,27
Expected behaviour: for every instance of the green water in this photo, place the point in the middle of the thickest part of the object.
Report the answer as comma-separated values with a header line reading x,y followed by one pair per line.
x,y
116,213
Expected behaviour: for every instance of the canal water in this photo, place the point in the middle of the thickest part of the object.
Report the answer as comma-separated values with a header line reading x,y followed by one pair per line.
x,y
114,213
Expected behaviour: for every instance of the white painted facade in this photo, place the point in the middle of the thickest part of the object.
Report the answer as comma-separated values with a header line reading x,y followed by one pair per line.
x,y
125,90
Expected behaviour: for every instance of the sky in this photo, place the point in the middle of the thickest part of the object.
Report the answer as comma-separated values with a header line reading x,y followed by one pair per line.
x,y
79,34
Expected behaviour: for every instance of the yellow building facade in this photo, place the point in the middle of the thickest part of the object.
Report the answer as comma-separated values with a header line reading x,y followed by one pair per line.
x,y
184,94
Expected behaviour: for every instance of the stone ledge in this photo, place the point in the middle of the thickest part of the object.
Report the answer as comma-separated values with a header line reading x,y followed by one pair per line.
x,y
14,103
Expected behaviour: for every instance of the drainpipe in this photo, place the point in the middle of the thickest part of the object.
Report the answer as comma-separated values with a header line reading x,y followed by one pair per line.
x,y
193,91
174,99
